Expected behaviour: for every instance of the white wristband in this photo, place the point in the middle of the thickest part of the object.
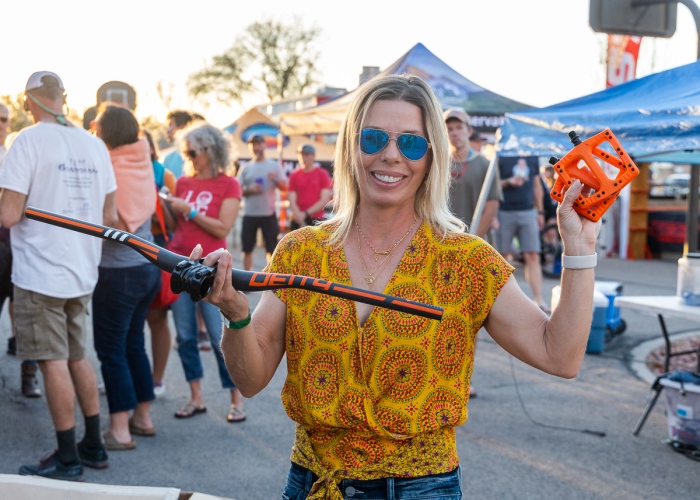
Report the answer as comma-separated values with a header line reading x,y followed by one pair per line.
x,y
579,261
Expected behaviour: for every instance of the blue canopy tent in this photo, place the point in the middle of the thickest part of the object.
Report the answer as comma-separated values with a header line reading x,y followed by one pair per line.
x,y
659,113
486,108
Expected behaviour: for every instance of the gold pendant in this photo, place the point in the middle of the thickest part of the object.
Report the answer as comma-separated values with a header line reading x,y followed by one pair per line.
x,y
369,279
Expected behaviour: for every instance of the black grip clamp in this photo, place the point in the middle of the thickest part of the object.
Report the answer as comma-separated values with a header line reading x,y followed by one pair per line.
x,y
192,277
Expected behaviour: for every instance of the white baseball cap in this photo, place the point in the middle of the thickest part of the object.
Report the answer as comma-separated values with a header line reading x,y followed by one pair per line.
x,y
35,81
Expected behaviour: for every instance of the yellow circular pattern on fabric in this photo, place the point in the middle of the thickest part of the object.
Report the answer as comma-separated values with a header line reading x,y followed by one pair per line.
x,y
404,325
322,375
450,347
401,373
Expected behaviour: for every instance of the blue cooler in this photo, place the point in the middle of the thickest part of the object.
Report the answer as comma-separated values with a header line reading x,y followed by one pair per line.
x,y
596,337
614,324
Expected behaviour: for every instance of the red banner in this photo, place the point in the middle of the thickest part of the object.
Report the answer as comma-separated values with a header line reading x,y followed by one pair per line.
x,y
623,51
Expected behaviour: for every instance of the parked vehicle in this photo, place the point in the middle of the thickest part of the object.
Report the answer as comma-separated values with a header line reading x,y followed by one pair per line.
x,y
673,186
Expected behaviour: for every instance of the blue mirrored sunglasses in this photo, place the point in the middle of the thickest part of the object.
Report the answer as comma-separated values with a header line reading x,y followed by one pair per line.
x,y
413,147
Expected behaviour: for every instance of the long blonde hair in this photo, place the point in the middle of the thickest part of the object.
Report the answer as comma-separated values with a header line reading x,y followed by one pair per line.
x,y
433,195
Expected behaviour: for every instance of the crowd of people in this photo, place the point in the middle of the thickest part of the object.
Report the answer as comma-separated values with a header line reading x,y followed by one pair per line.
x,y
405,185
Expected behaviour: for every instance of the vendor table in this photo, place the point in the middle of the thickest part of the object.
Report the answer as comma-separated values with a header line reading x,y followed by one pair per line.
x,y
660,305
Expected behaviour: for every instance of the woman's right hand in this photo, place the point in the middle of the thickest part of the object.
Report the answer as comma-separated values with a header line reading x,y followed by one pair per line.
x,y
232,303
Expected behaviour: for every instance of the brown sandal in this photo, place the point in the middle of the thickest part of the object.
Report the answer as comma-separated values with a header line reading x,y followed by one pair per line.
x,y
141,431
112,444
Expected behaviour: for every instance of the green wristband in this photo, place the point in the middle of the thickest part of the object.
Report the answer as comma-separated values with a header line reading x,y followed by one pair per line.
x,y
235,325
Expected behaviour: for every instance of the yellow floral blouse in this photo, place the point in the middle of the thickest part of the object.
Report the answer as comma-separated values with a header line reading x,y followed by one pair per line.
x,y
383,399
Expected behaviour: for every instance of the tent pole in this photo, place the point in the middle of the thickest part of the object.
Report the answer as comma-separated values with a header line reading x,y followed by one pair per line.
x,y
692,223
485,188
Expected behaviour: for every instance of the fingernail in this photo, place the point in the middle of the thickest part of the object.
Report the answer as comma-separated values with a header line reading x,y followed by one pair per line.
x,y
577,184
198,247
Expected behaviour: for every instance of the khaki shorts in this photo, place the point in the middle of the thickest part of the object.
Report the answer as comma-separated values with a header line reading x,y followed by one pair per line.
x,y
48,328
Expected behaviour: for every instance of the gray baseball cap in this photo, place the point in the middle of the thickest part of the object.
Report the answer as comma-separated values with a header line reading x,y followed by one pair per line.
x,y
306,148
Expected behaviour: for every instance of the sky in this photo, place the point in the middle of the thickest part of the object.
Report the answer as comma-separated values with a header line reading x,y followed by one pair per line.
x,y
539,52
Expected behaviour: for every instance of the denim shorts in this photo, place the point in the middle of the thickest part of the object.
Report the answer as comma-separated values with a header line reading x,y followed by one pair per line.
x,y
445,486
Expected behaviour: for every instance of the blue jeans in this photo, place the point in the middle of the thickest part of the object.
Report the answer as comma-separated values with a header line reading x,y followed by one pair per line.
x,y
185,317
445,486
119,306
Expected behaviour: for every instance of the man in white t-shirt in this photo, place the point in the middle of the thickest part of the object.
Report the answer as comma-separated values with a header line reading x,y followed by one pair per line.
x,y
260,179
56,166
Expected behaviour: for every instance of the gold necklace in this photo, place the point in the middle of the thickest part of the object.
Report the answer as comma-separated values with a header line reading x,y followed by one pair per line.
x,y
377,253
371,276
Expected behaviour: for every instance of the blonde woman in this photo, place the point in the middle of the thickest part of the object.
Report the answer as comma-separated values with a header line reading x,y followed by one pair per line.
x,y
377,394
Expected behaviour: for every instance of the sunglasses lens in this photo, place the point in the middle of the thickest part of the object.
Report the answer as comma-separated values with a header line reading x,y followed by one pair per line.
x,y
3,119
372,141
412,146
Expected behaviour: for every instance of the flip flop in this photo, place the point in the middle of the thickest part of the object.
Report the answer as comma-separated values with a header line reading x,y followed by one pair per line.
x,y
141,431
190,410
112,444
236,414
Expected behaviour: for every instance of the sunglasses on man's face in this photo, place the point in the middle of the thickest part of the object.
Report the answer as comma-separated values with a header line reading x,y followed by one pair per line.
x,y
3,119
413,147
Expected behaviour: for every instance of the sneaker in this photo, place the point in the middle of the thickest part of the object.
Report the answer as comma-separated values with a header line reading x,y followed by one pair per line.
x,y
52,468
159,389
203,342
94,458
12,346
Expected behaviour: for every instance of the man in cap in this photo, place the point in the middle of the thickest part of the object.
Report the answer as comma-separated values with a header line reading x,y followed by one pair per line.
x,y
309,189
56,166
468,171
259,180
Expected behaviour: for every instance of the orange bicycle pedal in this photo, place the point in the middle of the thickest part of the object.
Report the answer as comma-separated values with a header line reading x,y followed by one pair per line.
x,y
605,189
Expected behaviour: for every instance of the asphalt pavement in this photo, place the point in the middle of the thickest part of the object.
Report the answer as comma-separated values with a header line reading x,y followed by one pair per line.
x,y
529,435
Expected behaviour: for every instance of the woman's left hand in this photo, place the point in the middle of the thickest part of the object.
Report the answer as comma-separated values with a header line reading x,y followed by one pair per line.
x,y
232,303
178,205
578,233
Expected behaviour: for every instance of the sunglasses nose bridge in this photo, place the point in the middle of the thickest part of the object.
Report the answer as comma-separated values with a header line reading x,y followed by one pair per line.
x,y
389,150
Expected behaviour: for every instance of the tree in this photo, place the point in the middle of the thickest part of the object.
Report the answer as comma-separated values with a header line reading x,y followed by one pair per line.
x,y
158,131
18,116
271,54
21,118
165,93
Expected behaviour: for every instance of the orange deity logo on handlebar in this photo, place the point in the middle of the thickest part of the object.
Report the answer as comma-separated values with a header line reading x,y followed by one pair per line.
x,y
588,153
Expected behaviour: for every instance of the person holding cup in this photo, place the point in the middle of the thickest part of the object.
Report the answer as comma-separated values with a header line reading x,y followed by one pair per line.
x,y
259,178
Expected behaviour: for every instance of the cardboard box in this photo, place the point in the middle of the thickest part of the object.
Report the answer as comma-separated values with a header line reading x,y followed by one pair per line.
x,y
19,487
